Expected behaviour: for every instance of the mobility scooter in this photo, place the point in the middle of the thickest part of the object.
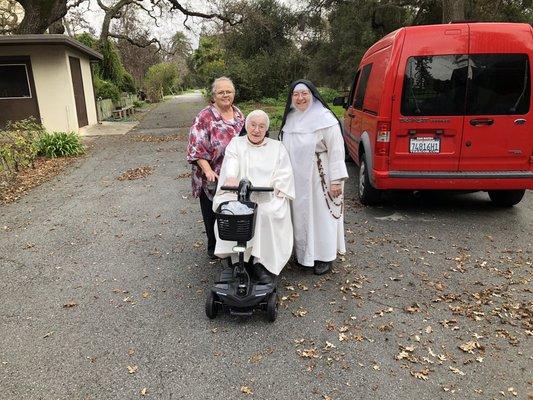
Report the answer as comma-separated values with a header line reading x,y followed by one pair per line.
x,y
237,290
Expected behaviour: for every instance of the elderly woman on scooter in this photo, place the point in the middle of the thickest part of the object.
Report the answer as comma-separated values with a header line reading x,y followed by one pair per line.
x,y
264,162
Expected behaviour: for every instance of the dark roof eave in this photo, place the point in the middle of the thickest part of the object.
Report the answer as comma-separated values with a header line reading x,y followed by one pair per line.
x,y
54,39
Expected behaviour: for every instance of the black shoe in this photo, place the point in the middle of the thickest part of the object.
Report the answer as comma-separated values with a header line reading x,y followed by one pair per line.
x,y
262,275
322,267
211,254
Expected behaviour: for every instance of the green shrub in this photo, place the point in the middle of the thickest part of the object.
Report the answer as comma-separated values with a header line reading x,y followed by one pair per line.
x,y
328,94
127,83
161,80
106,89
18,144
60,144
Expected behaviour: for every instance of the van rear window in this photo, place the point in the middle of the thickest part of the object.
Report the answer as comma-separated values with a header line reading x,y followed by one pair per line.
x,y
435,85
479,84
499,84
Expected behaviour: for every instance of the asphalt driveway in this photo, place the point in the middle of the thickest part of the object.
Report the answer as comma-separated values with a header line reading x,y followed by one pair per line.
x,y
103,283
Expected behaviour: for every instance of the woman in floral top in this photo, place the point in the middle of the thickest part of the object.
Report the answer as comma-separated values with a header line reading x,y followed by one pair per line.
x,y
210,133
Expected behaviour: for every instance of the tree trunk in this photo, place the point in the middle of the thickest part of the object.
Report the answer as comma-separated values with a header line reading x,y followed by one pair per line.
x,y
104,33
57,28
40,14
453,10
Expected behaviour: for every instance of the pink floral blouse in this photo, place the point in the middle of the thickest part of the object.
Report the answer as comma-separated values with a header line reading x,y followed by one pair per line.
x,y
208,137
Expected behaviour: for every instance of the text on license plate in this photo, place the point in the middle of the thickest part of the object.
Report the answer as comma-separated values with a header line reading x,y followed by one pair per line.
x,y
424,145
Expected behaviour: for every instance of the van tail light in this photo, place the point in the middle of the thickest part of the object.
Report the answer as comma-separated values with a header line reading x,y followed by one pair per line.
x,y
383,139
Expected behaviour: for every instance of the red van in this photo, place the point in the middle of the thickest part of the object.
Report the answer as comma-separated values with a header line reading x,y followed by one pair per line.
x,y
444,107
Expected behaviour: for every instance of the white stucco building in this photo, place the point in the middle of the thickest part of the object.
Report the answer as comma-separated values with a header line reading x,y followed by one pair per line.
x,y
49,77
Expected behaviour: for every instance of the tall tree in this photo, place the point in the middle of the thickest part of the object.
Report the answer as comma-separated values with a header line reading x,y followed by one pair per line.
x,y
40,14
453,10
259,53
11,13
136,59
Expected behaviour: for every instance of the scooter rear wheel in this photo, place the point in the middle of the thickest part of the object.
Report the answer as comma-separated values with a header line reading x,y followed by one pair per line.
x,y
272,307
211,308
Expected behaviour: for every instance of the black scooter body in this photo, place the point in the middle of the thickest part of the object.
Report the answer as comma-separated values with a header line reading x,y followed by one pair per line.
x,y
236,290
239,300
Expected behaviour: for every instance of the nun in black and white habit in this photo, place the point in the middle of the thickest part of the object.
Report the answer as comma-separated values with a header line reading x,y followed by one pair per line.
x,y
312,136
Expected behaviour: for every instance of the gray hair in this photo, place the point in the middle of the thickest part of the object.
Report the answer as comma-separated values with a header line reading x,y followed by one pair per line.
x,y
257,113
222,78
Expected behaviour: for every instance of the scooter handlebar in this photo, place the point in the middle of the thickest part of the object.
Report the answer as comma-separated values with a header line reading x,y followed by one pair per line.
x,y
234,188
262,189
252,189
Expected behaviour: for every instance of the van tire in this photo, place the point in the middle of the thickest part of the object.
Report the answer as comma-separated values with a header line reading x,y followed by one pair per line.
x,y
368,194
506,198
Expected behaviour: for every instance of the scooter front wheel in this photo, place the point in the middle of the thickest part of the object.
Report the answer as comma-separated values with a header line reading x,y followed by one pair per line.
x,y
211,308
272,307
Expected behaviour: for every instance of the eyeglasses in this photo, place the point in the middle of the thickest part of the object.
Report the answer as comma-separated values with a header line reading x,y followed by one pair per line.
x,y
254,125
224,92
303,94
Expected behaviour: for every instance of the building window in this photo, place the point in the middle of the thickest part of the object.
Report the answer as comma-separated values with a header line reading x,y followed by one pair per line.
x,y
14,82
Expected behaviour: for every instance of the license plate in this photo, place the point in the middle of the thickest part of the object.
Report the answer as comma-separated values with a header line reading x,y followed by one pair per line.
x,y
424,145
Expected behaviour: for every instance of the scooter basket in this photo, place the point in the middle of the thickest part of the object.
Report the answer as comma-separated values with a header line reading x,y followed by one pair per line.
x,y
239,228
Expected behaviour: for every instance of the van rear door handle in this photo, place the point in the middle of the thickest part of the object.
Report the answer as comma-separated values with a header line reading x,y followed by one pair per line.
x,y
481,121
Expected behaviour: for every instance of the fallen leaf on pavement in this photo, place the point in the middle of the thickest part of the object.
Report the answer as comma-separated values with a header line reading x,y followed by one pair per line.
x,y
256,358
423,374
470,346
70,304
308,353
132,369
457,371
300,312
136,173
246,390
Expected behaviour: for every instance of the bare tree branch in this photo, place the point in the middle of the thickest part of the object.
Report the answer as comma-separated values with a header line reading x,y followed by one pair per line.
x,y
102,5
149,12
176,5
75,4
136,43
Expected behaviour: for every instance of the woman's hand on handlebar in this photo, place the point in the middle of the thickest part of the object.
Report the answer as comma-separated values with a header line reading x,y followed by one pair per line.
x,y
211,176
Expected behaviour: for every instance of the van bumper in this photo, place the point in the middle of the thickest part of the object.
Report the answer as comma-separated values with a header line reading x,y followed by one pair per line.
x,y
475,180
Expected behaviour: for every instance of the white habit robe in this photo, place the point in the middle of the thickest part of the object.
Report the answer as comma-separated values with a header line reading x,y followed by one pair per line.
x,y
314,138
266,165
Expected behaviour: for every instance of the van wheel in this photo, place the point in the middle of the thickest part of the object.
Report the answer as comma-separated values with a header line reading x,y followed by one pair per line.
x,y
368,194
506,198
